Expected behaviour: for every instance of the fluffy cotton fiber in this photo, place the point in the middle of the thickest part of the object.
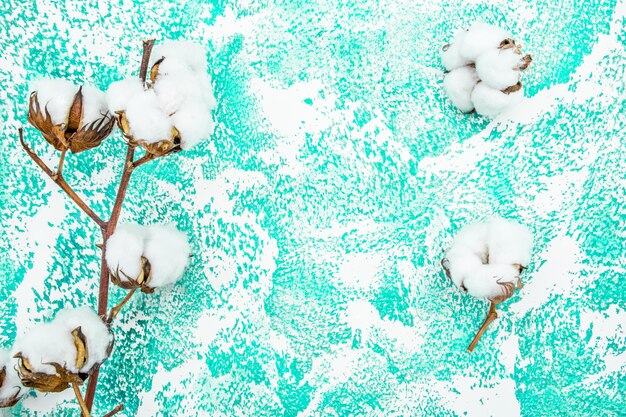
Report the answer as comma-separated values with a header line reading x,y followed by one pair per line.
x,y
148,122
499,68
451,56
57,95
479,38
165,247
458,85
120,93
52,342
491,102
483,255
12,385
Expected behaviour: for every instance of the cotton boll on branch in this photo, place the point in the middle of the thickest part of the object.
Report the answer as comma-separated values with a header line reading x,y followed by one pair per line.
x,y
124,250
97,334
451,56
499,68
11,388
120,93
458,85
486,281
56,95
509,242
167,249
194,122
47,343
491,102
481,37
148,123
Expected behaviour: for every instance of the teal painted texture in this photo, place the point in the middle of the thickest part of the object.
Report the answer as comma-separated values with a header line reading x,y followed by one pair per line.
x,y
319,210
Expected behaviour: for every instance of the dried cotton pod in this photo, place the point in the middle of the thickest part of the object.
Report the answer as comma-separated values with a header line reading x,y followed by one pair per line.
x,y
69,117
11,388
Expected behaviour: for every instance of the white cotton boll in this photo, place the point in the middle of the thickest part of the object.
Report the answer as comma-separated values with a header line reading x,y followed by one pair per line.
x,y
167,249
147,121
458,85
194,122
120,92
12,386
484,281
491,102
56,95
46,343
96,333
124,250
509,242
451,56
187,52
498,68
94,105
481,37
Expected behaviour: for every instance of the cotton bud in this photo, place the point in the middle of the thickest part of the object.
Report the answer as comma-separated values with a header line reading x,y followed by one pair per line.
x,y
66,350
486,259
451,56
481,37
69,117
11,388
501,68
146,257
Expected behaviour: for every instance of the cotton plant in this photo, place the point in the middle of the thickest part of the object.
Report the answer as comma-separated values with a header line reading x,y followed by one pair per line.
x,y
483,70
167,109
486,260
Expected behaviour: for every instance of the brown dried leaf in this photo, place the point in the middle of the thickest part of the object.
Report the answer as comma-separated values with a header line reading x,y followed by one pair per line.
x,y
91,135
75,115
80,342
53,134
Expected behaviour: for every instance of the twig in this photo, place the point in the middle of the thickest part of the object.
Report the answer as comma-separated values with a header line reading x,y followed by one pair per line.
x,y
60,181
115,310
81,402
491,316
116,410
146,158
103,292
61,160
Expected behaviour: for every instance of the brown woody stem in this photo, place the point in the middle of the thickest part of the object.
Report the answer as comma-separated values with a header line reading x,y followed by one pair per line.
x,y
491,316
116,410
60,181
81,402
103,293
115,310
61,160
146,158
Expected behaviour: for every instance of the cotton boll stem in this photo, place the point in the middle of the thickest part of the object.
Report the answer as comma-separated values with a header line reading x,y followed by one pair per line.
x,y
115,310
491,316
81,401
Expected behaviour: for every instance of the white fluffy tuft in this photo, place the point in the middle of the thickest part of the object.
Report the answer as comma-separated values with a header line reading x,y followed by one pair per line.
x,y
12,385
491,102
509,242
468,250
124,249
147,121
458,85
498,68
479,38
120,93
451,56
96,333
183,52
56,95
94,105
168,251
484,281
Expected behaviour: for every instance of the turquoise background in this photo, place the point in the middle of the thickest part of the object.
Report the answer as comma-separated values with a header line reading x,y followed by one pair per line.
x,y
319,210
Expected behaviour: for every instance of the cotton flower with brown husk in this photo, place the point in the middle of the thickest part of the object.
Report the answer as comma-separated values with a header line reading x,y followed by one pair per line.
x,y
146,257
486,260
69,117
11,388
172,110
63,352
